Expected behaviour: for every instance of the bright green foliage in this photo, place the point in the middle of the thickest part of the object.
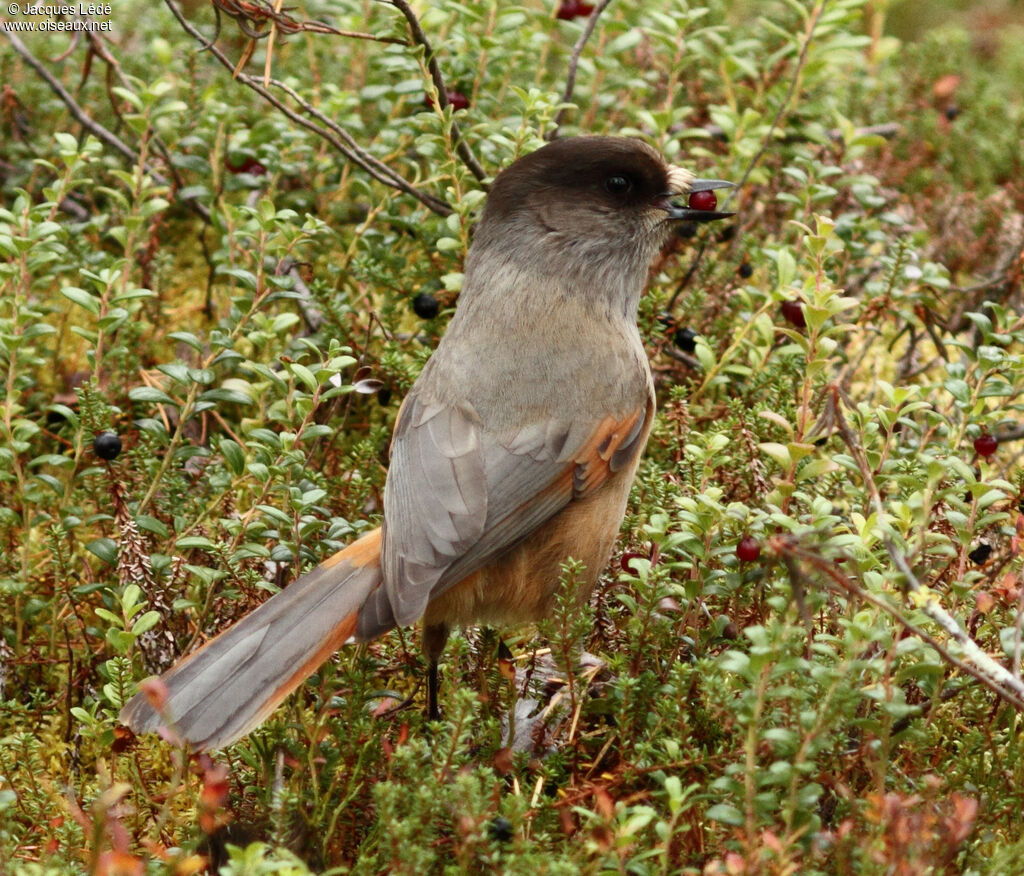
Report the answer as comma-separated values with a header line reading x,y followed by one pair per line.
x,y
233,297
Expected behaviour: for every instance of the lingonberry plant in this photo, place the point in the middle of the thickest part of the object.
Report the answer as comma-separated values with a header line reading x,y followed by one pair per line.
x,y
221,267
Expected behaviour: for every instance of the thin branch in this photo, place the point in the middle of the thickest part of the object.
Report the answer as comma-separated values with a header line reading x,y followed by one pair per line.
x,y
801,62
574,62
79,114
785,546
312,315
97,47
252,15
90,124
1005,264
420,38
327,130
987,670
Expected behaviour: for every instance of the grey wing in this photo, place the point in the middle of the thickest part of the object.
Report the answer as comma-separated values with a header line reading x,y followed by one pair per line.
x,y
458,496
435,501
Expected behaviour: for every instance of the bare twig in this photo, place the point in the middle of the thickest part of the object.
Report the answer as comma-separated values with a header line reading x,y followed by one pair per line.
x,y
317,122
887,130
1005,265
97,47
983,667
785,545
420,38
801,62
574,63
92,126
251,15
311,313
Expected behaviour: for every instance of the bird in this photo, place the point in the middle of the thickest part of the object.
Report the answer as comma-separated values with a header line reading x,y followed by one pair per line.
x,y
514,450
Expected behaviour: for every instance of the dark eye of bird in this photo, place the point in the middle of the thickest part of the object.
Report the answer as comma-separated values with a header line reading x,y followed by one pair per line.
x,y
618,184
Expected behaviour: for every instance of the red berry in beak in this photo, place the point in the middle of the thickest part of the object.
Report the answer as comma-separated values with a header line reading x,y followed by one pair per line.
x,y
706,201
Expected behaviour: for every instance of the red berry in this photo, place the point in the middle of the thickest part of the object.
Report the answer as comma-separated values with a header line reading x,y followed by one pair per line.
x,y
793,311
627,561
456,99
703,201
570,9
248,165
748,549
985,444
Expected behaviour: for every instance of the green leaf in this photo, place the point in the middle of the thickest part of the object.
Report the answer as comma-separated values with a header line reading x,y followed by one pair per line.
x,y
151,524
149,620
725,813
233,455
105,549
82,299
195,542
786,268
223,394
150,394
306,376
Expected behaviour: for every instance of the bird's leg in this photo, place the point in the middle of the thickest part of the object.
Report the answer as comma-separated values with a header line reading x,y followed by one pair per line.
x,y
507,667
434,638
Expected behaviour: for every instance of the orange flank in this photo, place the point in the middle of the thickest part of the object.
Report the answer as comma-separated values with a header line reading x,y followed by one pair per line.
x,y
365,551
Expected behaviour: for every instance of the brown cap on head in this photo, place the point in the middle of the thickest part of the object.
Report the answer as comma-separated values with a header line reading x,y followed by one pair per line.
x,y
616,171
601,174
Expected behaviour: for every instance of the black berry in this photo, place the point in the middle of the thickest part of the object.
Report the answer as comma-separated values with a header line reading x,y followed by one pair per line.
x,y
980,554
745,270
106,445
500,829
686,340
425,305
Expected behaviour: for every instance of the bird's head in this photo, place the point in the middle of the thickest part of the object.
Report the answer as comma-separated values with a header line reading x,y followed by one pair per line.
x,y
588,208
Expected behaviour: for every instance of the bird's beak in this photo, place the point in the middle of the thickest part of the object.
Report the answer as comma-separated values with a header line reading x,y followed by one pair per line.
x,y
685,213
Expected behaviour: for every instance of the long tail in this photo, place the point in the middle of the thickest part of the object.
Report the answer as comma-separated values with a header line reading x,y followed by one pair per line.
x,y
232,683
